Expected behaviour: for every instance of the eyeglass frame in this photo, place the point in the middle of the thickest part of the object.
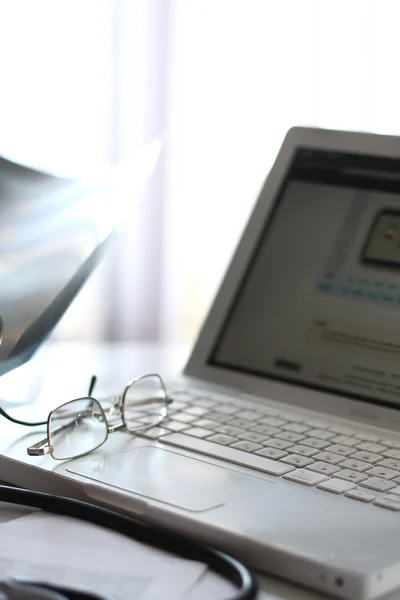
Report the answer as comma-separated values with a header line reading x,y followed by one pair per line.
x,y
44,447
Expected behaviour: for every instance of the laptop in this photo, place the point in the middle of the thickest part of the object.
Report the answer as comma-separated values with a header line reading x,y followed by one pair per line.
x,y
282,445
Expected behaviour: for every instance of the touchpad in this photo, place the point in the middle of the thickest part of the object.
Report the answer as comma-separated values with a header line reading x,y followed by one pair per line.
x,y
169,477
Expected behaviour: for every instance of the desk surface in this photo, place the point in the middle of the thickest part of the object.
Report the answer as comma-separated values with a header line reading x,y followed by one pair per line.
x,y
62,371
269,587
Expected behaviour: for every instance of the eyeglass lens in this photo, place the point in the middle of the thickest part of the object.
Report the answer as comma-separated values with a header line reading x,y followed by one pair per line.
x,y
77,427
145,403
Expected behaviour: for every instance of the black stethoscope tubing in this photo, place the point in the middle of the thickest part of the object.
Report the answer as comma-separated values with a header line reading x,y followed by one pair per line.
x,y
219,562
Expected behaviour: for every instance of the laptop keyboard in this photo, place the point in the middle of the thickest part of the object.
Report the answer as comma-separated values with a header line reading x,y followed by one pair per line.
x,y
337,459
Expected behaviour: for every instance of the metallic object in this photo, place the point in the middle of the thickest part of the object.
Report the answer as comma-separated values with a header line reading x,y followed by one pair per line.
x,y
52,234
82,425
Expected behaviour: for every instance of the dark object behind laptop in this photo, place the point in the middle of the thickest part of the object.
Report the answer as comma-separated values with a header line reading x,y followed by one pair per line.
x,y
52,234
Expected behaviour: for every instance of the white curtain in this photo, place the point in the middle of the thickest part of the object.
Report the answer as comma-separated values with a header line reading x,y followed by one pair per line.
x,y
242,72
86,82
83,87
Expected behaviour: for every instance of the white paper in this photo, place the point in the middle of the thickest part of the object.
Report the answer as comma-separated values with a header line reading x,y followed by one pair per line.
x,y
68,551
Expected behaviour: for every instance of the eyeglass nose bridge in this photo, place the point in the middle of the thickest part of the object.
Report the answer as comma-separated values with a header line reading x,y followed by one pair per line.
x,y
114,410
116,405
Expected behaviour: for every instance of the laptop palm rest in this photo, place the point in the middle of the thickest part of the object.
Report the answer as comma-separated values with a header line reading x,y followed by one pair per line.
x,y
172,478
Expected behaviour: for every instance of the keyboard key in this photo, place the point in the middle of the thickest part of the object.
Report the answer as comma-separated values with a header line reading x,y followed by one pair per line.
x,y
154,433
305,477
175,425
273,453
328,457
336,486
247,446
391,463
388,503
198,411
218,416
377,484
277,443
227,409
315,443
199,432
345,440
176,407
359,495
383,472
181,402
303,450
196,393
350,475
265,429
395,491
220,438
289,436
273,421
207,423
391,453
252,436
182,396
321,434
297,461
183,417
367,457
367,437
371,447
340,449
295,427
242,423
260,463
229,429
355,465
324,468
250,415
204,401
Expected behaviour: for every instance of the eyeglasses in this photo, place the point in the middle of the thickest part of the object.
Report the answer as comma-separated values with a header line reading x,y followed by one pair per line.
x,y
82,425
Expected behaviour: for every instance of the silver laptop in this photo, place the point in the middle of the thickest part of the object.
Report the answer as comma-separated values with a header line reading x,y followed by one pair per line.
x,y
282,445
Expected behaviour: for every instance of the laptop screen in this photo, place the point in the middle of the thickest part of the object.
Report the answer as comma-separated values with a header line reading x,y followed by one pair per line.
x,y
319,304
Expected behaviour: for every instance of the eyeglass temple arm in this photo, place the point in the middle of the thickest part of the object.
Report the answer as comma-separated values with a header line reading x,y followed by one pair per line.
x,y
92,384
40,448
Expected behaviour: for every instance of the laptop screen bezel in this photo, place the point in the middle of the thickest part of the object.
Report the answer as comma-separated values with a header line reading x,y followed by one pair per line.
x,y
199,366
